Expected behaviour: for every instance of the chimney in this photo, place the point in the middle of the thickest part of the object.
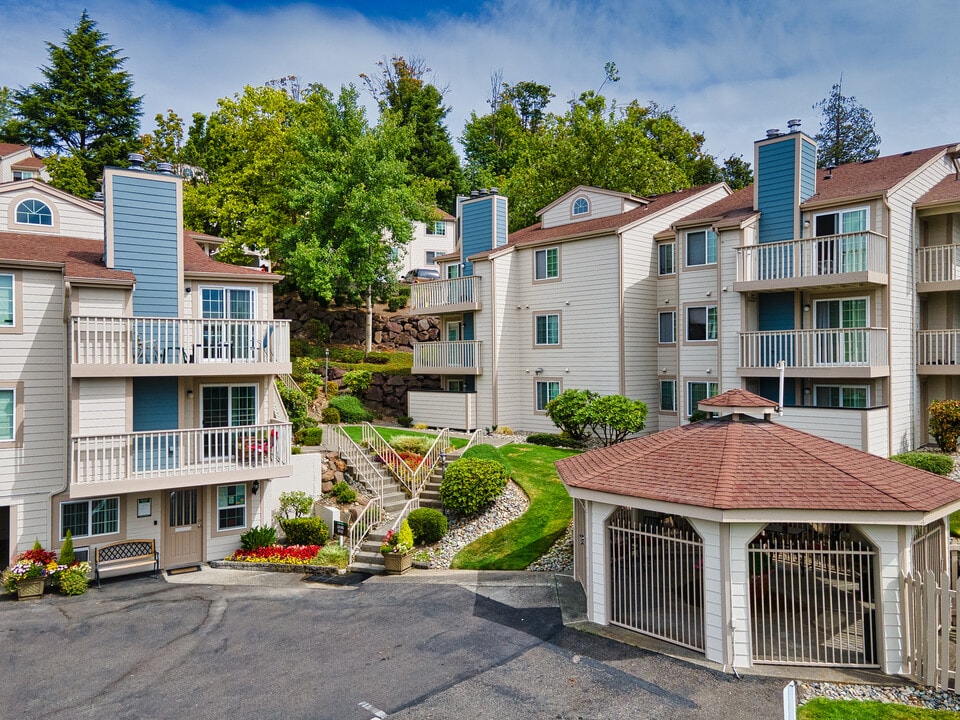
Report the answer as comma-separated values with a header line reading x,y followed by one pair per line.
x,y
785,172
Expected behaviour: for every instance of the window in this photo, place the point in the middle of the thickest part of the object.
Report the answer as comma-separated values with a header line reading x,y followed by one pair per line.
x,y
843,221
849,339
668,395
668,327
701,247
547,330
23,175
841,396
581,206
7,314
697,391
702,323
453,271
847,253
231,507
546,264
8,415
668,262
432,256
455,385
547,390
437,228
225,406
85,518
228,341
34,212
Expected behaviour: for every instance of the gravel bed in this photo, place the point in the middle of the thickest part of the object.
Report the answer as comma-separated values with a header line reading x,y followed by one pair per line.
x,y
903,695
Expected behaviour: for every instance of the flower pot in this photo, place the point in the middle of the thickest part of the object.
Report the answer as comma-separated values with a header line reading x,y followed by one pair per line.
x,y
30,588
397,563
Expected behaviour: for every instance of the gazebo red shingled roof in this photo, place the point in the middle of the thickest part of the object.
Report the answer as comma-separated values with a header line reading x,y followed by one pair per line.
x,y
740,464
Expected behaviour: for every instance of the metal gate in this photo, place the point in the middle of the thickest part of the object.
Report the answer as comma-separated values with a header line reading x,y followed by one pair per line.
x,y
656,576
812,596
929,549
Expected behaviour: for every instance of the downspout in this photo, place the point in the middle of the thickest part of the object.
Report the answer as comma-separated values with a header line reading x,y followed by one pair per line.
x,y
494,345
622,352
913,315
68,392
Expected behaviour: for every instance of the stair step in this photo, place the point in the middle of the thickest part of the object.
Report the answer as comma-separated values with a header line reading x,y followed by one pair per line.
x,y
367,568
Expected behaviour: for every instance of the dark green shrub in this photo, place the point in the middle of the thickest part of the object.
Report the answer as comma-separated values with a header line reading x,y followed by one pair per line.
x,y
358,381
698,415
258,537
486,452
296,403
568,411
396,302
310,436
332,389
305,531
378,358
350,408
945,423
404,292
330,416
298,348
404,421
551,440
295,450
428,525
317,331
346,355
471,484
344,493
931,462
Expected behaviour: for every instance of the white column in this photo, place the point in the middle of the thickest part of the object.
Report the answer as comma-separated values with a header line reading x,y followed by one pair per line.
x,y
597,561
890,544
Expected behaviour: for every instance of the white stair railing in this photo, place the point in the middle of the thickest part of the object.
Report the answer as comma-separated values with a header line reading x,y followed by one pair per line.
x,y
412,479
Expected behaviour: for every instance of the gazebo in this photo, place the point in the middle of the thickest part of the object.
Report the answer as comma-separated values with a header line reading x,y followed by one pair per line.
x,y
752,542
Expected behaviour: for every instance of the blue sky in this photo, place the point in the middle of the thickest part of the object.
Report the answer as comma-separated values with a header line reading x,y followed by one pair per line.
x,y
730,68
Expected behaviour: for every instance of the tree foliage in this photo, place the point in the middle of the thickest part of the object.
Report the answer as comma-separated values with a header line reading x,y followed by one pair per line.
x,y
568,412
945,423
84,108
847,133
609,417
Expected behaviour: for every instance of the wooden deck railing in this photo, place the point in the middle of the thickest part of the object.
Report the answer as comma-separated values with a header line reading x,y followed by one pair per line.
x,y
834,347
437,294
810,257
939,263
463,355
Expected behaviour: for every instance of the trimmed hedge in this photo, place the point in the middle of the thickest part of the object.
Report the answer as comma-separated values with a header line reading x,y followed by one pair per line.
x,y
330,416
310,436
428,525
350,408
931,462
551,440
472,484
486,452
305,531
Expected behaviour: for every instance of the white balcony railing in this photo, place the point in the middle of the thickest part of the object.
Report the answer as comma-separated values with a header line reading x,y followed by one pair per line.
x,y
175,453
939,263
461,356
178,341
435,295
938,347
834,347
811,257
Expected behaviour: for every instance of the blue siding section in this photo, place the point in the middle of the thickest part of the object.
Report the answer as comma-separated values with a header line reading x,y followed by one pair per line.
x,y
468,331
155,408
776,185
501,230
146,241
476,229
808,169
770,389
775,311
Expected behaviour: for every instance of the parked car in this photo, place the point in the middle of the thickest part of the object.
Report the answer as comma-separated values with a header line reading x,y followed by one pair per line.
x,y
421,275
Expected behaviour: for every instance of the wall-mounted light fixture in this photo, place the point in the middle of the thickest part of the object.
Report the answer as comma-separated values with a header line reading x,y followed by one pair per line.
x,y
806,308
255,488
709,370
189,394
709,293
538,371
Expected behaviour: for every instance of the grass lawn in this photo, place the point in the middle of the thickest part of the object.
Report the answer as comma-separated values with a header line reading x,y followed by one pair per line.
x,y
400,364
824,709
388,433
955,524
519,543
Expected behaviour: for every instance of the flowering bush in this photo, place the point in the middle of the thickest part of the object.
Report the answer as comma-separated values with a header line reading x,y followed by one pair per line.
x,y
73,579
400,541
29,565
287,555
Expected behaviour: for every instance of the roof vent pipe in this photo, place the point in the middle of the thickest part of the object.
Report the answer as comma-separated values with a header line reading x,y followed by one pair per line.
x,y
793,125
474,193
773,132
781,366
484,191
136,161
494,191
165,168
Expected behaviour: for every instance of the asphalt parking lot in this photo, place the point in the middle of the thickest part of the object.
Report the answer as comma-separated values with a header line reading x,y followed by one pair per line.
x,y
228,644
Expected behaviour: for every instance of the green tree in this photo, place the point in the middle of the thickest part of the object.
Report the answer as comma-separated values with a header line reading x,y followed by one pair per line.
x,y
613,417
401,88
847,133
568,411
165,144
66,173
6,109
85,108
736,172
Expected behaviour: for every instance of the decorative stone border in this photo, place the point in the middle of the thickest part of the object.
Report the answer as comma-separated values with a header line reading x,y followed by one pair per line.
x,y
279,567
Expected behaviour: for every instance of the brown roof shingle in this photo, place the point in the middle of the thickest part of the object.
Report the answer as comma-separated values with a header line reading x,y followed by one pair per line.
x,y
947,190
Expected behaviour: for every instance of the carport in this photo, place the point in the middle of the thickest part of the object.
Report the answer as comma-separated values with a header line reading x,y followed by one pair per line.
x,y
753,542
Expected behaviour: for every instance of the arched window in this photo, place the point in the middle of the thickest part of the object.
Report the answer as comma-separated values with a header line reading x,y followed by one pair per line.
x,y
581,206
34,212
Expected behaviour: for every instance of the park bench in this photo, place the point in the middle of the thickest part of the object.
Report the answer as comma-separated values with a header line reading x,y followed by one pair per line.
x,y
126,556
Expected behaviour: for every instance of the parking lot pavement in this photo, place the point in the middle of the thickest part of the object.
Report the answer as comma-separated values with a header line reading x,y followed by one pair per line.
x,y
234,644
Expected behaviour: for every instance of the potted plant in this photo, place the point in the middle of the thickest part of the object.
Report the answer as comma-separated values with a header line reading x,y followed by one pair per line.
x,y
29,571
397,549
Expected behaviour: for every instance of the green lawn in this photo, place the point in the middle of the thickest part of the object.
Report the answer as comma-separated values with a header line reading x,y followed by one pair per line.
x,y
824,709
955,524
356,434
516,545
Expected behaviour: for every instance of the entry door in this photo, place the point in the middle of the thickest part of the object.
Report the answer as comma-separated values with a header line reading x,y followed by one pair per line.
x,y
183,537
848,345
455,350
227,340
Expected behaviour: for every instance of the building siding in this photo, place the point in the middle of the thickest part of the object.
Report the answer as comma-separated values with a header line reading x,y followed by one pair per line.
x,y
776,189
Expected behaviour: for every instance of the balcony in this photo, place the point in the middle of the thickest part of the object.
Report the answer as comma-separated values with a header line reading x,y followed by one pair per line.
x,y
445,296
938,268
833,352
438,408
813,262
938,352
865,429
144,461
454,357
145,346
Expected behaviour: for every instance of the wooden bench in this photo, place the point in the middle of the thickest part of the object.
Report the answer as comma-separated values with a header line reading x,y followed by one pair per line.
x,y
126,556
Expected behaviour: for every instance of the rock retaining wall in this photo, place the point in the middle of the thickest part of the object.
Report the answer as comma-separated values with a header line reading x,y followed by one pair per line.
x,y
390,391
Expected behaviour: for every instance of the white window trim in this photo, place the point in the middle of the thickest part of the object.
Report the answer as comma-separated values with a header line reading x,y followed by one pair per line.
x,y
716,324
840,213
673,332
89,503
585,213
689,394
673,383
536,395
17,285
841,300
545,251
673,258
840,387
559,342
706,243
246,506
225,289
16,388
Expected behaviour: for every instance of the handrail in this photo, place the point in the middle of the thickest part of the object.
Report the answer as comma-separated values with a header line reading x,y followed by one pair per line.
x,y
362,464
411,504
413,479
473,438
368,519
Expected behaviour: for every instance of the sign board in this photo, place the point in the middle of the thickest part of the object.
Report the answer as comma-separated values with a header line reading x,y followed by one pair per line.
x,y
339,528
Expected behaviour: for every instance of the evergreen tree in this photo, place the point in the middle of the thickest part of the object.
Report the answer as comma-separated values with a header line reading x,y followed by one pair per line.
x,y
847,132
85,107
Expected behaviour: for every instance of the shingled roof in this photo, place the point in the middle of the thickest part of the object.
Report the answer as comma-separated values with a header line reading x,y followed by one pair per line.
x,y
945,191
730,464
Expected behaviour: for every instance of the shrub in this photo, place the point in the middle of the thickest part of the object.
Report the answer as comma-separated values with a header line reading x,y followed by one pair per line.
x,y
931,462
258,537
311,384
945,423
568,411
698,415
470,485
486,452
405,534
350,408
504,430
310,436
305,531
551,440
296,403
420,426
334,556
330,416
66,552
298,347
404,421
295,450
404,292
378,358
357,381
302,366
396,302
332,389
428,525
351,356
73,580
317,331
344,493
296,502
418,444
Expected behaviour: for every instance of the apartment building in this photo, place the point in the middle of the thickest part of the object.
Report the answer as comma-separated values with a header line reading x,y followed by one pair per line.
x,y
136,394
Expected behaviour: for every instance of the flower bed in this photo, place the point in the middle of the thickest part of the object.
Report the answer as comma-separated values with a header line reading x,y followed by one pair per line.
x,y
284,555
